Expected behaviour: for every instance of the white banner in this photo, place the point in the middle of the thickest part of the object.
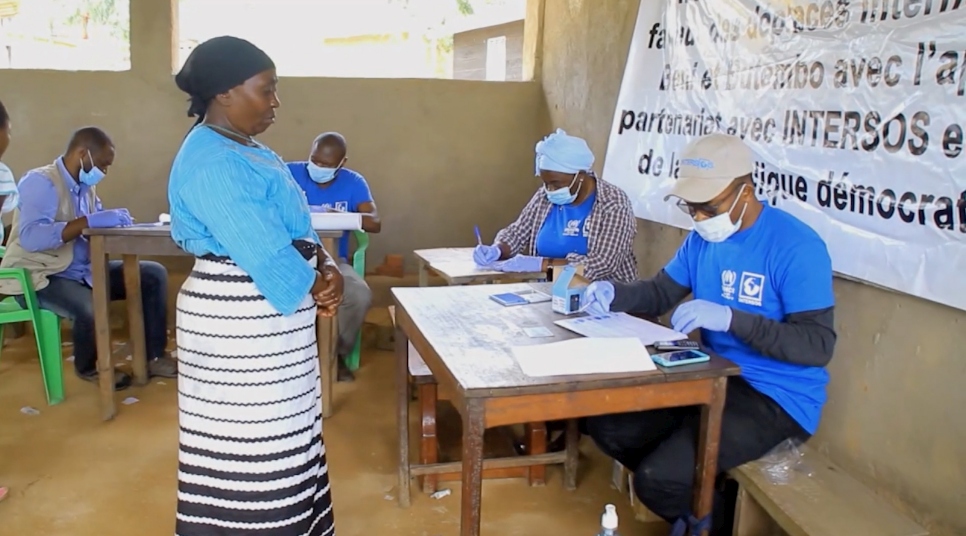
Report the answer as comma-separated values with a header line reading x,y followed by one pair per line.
x,y
855,108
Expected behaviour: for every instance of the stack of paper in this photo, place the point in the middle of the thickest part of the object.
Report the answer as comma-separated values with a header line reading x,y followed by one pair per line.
x,y
336,221
620,325
584,356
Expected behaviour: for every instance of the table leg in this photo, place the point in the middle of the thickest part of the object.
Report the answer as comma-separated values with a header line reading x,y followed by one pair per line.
x,y
325,332
423,273
570,462
428,441
535,439
135,319
708,442
423,282
102,326
472,461
402,407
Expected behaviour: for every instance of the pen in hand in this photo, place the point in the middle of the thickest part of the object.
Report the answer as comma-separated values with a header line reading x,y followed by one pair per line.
x,y
479,239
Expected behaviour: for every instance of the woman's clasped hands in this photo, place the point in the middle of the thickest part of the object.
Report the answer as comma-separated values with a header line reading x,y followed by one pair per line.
x,y
327,290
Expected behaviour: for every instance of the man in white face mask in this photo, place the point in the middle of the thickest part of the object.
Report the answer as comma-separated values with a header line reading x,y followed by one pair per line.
x,y
762,286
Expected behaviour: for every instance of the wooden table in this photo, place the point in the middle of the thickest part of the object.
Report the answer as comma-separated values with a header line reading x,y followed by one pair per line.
x,y
129,243
456,267
465,339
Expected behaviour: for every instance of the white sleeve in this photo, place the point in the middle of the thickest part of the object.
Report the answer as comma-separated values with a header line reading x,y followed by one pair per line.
x,y
8,188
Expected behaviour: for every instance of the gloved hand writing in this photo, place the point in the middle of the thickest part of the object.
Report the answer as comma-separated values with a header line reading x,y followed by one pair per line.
x,y
701,314
597,298
520,263
484,255
117,217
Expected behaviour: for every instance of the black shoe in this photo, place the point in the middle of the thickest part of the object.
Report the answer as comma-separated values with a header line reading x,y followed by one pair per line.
x,y
344,374
556,445
122,380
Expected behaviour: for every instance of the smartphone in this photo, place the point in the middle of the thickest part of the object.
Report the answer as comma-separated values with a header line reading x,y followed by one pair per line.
x,y
670,346
681,357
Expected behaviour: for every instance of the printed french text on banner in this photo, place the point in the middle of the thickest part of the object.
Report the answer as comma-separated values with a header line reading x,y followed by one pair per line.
x,y
855,109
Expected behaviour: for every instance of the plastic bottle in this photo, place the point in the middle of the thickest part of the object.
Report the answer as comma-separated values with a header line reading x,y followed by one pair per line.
x,y
608,521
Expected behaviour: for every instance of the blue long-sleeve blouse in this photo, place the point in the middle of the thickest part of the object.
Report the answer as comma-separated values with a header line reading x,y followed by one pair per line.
x,y
241,202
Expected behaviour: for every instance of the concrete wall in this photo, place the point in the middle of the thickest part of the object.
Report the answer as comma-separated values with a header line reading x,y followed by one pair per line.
x,y
440,155
469,51
897,377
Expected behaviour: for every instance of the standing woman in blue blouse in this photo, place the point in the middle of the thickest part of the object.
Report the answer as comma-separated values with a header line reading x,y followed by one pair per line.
x,y
251,453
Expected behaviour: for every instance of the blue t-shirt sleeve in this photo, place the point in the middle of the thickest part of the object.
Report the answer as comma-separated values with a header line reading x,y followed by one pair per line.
x,y
361,193
296,168
679,268
300,174
243,220
805,277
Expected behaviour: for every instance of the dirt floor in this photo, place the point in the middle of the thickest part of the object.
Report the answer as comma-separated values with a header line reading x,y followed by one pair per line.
x,y
72,475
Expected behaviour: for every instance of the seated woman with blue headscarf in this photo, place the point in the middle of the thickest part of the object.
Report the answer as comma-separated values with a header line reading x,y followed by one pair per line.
x,y
574,216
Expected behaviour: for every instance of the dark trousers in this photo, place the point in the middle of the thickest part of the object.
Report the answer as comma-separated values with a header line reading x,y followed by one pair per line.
x,y
659,446
74,300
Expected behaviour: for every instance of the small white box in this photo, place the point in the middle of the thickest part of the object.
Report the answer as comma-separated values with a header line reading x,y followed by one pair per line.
x,y
336,221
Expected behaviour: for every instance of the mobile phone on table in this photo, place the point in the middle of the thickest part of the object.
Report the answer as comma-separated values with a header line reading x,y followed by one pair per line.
x,y
680,357
670,346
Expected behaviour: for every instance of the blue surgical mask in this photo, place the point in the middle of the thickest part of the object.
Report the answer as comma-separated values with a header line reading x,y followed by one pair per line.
x,y
92,177
562,196
322,175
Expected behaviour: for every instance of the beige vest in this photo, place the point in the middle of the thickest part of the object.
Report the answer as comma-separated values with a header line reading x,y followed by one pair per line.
x,y
42,264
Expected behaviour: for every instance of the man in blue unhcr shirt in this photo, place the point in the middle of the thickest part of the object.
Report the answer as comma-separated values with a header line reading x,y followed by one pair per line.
x,y
762,286
330,186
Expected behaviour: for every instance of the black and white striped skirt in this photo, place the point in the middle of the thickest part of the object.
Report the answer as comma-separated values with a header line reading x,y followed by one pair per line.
x,y
251,459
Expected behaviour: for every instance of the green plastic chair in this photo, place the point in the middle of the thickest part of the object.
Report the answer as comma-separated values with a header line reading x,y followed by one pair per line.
x,y
46,326
359,264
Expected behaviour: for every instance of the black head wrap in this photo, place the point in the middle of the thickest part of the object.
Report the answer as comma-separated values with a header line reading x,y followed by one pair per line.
x,y
216,66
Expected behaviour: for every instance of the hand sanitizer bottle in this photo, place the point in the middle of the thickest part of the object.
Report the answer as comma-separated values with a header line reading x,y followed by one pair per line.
x,y
608,521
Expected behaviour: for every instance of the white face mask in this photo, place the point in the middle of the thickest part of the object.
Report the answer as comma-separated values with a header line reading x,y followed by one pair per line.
x,y
720,228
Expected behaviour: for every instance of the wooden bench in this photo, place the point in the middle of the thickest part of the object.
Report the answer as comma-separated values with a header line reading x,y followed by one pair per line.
x,y
827,503
426,391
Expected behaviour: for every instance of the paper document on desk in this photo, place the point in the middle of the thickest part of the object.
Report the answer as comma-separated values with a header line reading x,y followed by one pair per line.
x,y
585,355
336,221
620,325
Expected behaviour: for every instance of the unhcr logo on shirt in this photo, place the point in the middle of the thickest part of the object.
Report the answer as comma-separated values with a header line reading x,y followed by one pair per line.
x,y
728,278
572,228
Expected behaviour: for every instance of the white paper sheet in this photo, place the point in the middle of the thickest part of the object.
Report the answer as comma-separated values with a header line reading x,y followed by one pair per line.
x,y
336,221
584,356
620,325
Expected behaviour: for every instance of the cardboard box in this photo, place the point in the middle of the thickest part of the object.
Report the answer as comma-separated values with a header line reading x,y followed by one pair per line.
x,y
557,270
568,290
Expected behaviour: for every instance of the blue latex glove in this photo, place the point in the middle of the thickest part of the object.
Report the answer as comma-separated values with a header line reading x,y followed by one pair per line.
x,y
520,263
484,255
314,209
117,217
701,314
597,298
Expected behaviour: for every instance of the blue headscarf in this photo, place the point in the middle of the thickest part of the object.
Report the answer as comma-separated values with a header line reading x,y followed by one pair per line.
x,y
564,153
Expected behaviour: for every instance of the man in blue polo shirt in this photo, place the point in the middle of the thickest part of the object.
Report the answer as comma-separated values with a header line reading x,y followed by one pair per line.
x,y
762,286
331,187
